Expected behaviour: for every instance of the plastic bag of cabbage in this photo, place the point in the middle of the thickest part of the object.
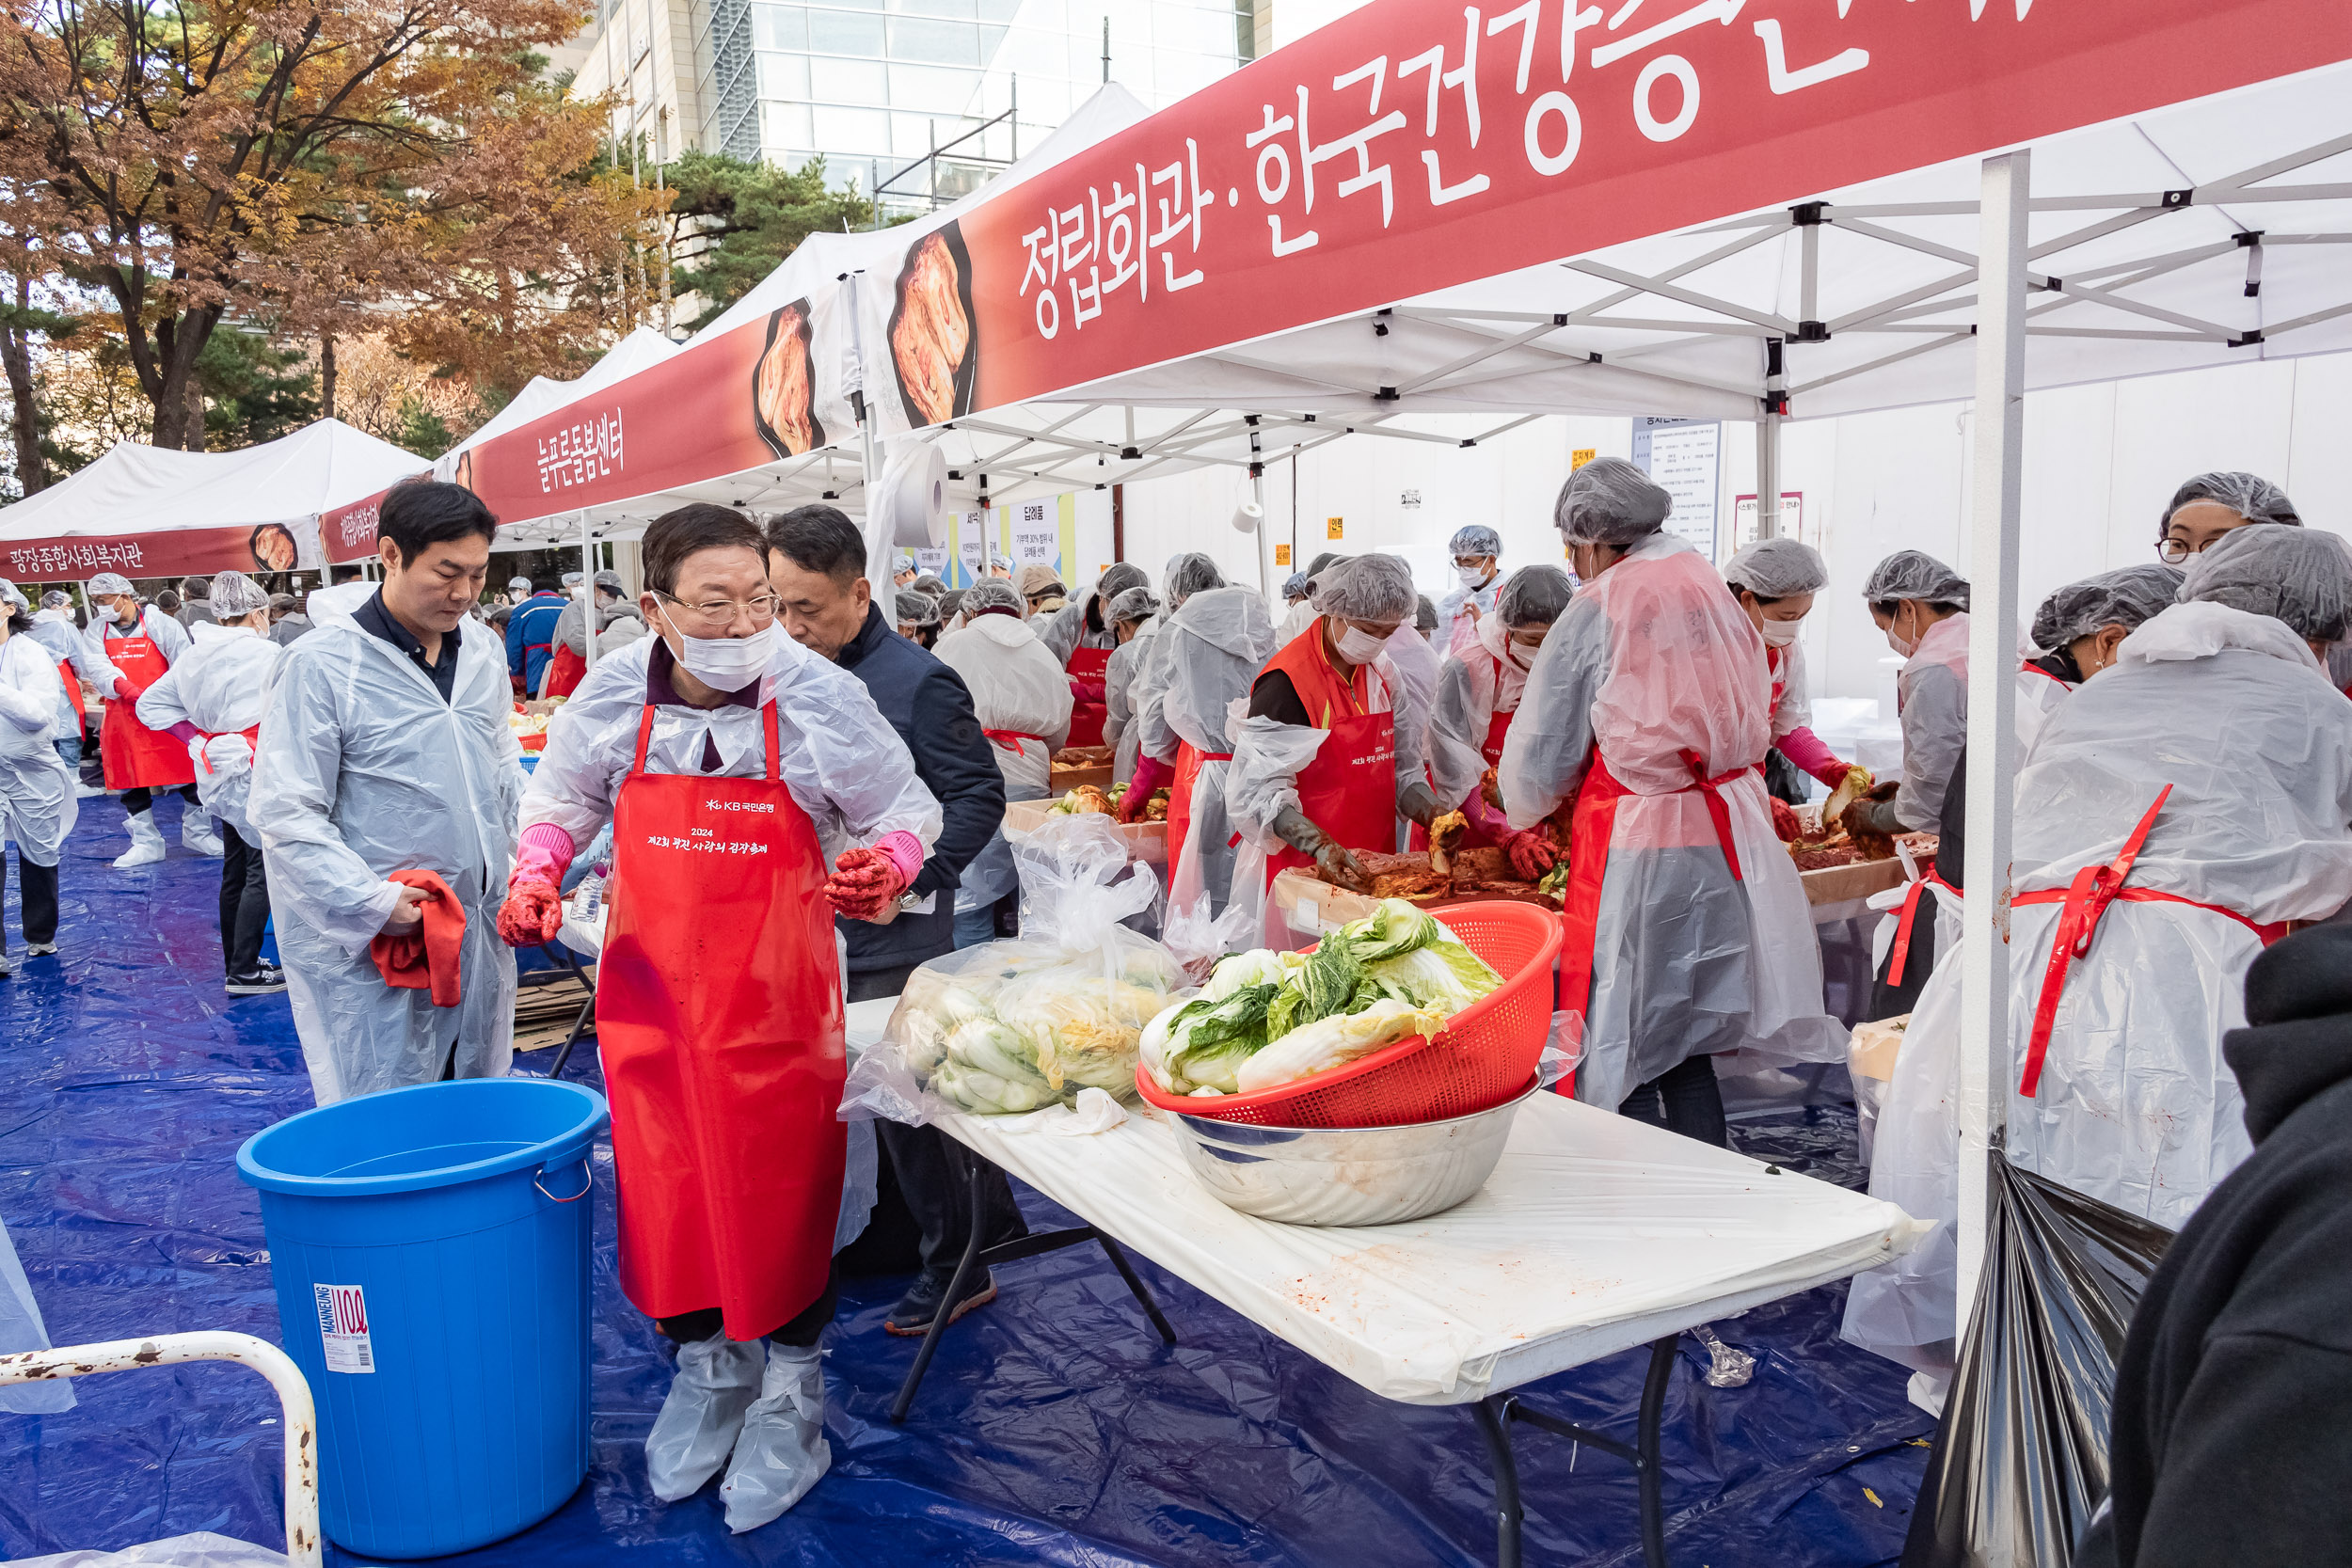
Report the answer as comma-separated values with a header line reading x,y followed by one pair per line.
x,y
1017,1025
1267,1019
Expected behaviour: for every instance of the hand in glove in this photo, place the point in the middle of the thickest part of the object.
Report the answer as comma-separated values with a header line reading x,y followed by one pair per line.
x,y
1530,854
534,911
866,883
1330,856
1417,803
1152,774
1085,692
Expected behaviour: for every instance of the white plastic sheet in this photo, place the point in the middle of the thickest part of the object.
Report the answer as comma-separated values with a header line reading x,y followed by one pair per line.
x,y
1594,1234
21,1329
202,1549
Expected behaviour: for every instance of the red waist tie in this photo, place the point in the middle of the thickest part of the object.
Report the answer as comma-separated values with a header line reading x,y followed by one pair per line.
x,y
252,734
1717,808
1010,739
1901,950
2087,898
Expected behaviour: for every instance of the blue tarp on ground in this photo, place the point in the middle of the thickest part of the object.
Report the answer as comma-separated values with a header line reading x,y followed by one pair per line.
x,y
1054,1428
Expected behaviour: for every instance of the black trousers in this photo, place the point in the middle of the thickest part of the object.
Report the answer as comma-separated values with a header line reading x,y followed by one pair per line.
x,y
244,902
139,800
1685,1099
799,1331
38,886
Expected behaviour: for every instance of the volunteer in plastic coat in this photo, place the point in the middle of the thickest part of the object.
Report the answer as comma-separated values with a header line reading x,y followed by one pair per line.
x,y
1135,619
212,701
137,643
384,747
569,660
1477,551
1922,607
1649,710
1188,572
1301,613
1022,699
1904,1311
77,667
1331,750
37,802
1774,580
1210,651
718,1010
1083,637
1479,692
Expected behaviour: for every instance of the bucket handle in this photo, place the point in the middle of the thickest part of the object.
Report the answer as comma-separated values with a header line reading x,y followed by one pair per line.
x,y
588,1180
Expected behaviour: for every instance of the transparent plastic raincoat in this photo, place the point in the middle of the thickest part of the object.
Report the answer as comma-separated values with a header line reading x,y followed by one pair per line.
x,y
362,769
1211,650
1022,696
1655,673
38,807
1121,689
1473,686
1932,700
217,685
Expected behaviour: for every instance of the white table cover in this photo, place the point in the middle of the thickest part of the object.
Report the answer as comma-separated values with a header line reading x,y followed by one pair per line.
x,y
1596,1233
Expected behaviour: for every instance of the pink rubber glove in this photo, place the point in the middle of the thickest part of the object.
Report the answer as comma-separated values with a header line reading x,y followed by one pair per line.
x,y
906,852
185,732
1811,754
1152,775
1489,819
534,911
1085,692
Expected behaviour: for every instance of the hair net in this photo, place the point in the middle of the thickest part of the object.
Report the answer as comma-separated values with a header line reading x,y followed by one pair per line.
x,y
950,603
1424,614
1609,501
110,582
2292,573
2251,496
11,594
917,609
611,582
1374,588
1118,578
926,583
236,596
1192,573
997,560
1534,596
1476,539
57,598
573,579
281,604
2123,598
1777,568
1915,575
518,585
901,562
1132,604
1294,586
1036,579
993,593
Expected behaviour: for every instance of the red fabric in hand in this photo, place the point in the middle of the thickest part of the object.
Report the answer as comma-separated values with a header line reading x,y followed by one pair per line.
x,y
425,959
1086,691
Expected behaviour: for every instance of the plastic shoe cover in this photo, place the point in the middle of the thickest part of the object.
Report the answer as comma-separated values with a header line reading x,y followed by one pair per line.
x,y
783,1451
200,836
147,842
717,1380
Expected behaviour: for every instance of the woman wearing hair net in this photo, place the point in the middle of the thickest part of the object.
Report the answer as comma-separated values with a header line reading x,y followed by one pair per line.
x,y
1078,634
2211,505
1333,748
1479,692
1134,617
1904,1311
1157,747
37,802
1021,699
1774,580
1477,551
918,617
211,702
1301,613
1648,710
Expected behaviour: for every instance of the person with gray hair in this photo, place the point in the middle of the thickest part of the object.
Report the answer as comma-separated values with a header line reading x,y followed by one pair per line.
x,y
1477,553
134,644
37,803
1334,749
2212,504
288,619
1644,729
1774,581
1133,616
568,663
1479,692
211,702
196,604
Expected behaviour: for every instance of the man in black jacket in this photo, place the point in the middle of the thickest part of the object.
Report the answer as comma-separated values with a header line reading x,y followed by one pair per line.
x,y
2231,1443
816,564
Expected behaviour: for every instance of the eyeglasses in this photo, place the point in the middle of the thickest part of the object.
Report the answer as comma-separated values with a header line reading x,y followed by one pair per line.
x,y
2173,551
719,614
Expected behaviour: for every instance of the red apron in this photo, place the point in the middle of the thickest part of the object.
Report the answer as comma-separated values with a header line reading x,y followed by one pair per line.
x,y
1085,719
134,756
564,673
1349,789
1899,954
1593,827
74,693
2087,898
1189,761
718,1017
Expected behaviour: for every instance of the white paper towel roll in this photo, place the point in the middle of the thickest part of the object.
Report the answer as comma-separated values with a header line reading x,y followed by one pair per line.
x,y
913,495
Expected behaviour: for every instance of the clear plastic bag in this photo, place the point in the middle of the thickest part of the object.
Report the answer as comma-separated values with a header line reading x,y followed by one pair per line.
x,y
1008,1027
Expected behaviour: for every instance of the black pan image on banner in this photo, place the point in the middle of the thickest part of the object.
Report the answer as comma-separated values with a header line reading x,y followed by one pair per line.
x,y
784,385
923,335
274,549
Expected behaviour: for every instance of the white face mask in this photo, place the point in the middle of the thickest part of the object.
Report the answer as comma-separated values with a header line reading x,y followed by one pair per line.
x,y
1473,577
1779,634
109,612
729,663
1902,644
1359,647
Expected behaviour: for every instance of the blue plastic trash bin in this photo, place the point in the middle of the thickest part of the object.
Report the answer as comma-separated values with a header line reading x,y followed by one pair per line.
x,y
431,1247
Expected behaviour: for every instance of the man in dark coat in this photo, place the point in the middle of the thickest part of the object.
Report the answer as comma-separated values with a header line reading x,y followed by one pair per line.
x,y
816,564
2230,1442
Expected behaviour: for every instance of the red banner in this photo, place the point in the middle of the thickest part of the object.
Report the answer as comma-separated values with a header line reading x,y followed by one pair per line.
x,y
1414,144
164,553
347,533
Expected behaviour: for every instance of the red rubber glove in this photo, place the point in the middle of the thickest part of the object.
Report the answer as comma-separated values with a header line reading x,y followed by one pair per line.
x,y
1531,854
1152,775
863,883
125,691
1487,818
1085,692
1786,822
534,911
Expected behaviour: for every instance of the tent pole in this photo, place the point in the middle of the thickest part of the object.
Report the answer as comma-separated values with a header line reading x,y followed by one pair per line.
x,y
881,540
1996,458
1767,485
588,580
1257,494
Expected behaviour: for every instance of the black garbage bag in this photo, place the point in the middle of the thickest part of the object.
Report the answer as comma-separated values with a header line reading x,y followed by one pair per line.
x,y
2021,1455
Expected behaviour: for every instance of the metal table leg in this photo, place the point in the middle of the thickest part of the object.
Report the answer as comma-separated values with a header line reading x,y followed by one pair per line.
x,y
1493,1414
562,954
1643,1453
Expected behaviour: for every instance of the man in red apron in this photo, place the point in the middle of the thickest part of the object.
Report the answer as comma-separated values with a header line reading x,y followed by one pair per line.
x,y
731,763
1648,709
1366,769
1478,695
139,642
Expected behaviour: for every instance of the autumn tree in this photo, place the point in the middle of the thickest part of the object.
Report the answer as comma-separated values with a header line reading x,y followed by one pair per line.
x,y
302,166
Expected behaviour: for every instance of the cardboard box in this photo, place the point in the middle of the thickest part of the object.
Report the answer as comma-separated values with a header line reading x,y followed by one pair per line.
x,y
1146,841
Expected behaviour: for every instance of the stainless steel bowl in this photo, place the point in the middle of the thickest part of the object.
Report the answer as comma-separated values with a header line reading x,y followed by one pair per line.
x,y
1346,1176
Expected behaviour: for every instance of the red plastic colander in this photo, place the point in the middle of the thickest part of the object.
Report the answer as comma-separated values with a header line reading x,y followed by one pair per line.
x,y
1487,1053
